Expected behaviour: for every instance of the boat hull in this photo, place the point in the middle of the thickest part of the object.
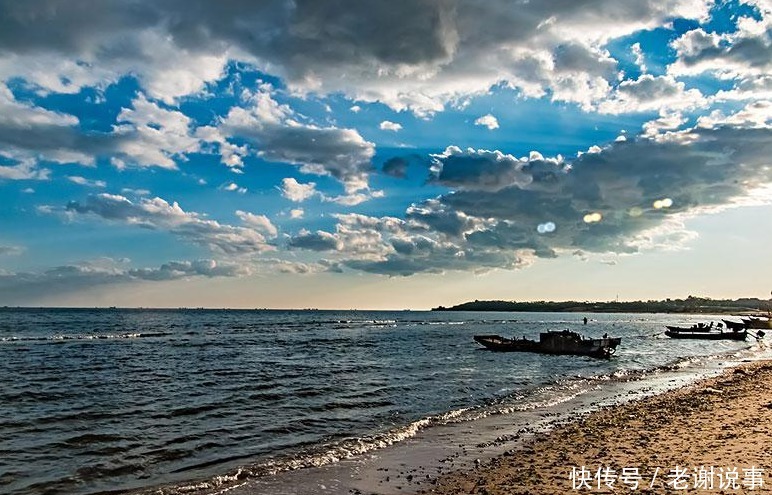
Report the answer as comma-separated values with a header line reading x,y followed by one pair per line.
x,y
758,323
688,329
501,344
707,336
733,325
552,343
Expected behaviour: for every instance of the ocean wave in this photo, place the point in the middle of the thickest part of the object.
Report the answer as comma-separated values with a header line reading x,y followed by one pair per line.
x,y
99,336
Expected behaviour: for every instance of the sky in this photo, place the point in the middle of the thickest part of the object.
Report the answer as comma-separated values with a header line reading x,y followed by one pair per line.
x,y
384,155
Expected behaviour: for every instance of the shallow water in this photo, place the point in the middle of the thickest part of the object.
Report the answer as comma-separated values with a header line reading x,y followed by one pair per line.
x,y
96,400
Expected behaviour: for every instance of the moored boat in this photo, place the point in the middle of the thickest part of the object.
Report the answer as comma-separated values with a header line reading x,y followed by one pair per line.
x,y
553,342
734,335
693,328
503,344
759,323
734,325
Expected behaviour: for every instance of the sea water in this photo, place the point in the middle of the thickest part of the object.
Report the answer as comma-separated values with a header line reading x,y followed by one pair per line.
x,y
95,400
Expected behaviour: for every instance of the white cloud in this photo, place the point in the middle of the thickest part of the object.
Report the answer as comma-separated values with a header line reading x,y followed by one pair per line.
x,y
148,135
260,223
743,54
297,192
26,170
135,192
233,187
144,135
488,121
388,125
649,93
297,213
158,214
640,59
278,136
82,181
448,50
755,115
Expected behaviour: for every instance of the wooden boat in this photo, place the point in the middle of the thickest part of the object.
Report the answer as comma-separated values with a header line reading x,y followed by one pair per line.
x,y
734,335
733,325
553,342
760,323
693,328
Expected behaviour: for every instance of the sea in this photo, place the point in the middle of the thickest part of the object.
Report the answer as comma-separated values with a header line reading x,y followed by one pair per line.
x,y
201,401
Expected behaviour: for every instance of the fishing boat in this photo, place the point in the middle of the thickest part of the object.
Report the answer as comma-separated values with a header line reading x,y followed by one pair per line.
x,y
760,323
693,328
688,334
734,325
553,342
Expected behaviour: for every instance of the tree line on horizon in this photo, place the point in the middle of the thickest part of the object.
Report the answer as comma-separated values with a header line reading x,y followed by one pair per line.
x,y
691,304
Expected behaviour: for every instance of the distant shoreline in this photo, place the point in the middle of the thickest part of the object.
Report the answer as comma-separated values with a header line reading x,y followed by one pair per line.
x,y
690,305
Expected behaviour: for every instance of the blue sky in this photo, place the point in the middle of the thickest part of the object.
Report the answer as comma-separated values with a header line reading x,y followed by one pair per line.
x,y
383,155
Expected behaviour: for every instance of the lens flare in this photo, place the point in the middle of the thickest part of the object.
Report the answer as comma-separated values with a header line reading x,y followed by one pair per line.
x,y
546,228
593,217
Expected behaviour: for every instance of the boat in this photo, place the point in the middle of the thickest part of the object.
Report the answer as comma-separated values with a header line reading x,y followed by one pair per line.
x,y
693,328
553,342
734,335
760,323
733,325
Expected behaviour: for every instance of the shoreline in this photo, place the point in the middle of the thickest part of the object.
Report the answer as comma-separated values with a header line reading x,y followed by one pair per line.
x,y
723,422
454,458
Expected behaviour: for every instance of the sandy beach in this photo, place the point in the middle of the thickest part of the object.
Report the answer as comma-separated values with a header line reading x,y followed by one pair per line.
x,y
713,436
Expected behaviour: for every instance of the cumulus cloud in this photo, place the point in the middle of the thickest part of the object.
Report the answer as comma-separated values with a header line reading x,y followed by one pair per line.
x,y
183,269
387,125
260,223
233,187
488,121
23,287
489,170
297,192
26,170
618,187
144,135
745,53
157,214
447,48
28,133
151,136
315,241
640,59
278,136
652,93
296,213
625,197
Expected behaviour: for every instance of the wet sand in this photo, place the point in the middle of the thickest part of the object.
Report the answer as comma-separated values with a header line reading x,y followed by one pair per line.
x,y
722,423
